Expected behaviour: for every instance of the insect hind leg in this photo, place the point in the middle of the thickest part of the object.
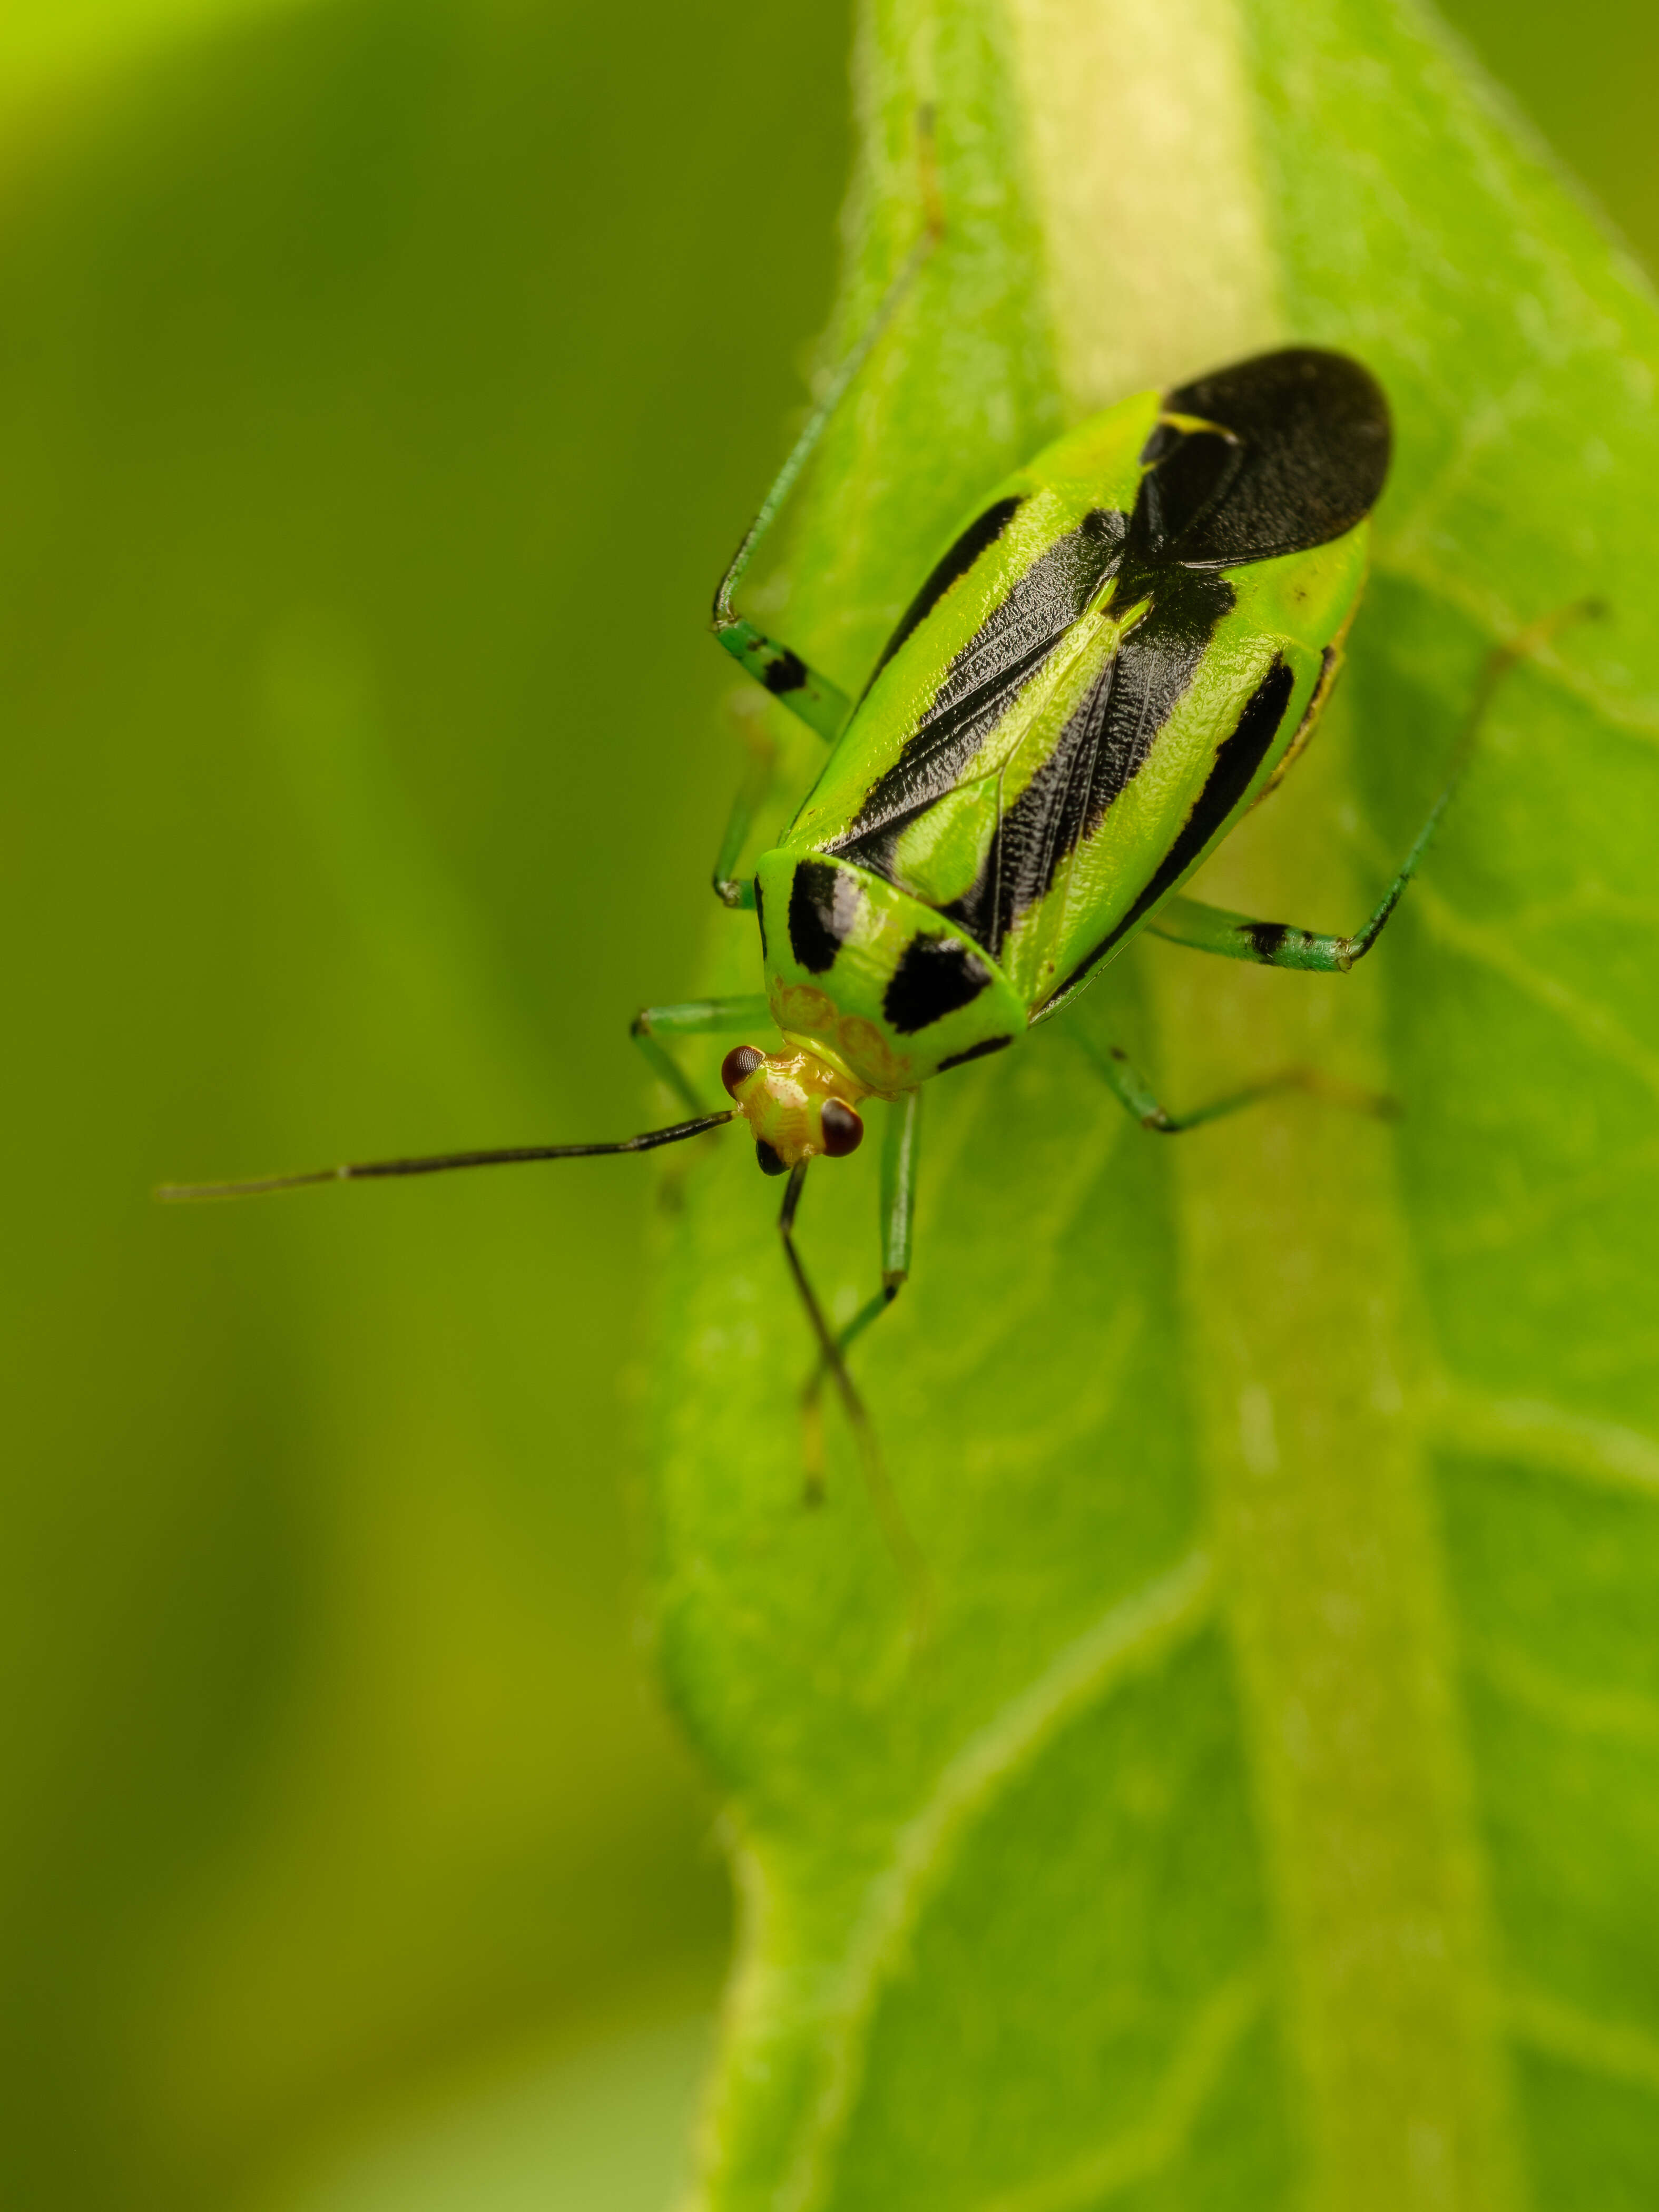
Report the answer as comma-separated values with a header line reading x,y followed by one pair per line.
x,y
1136,1097
1280,944
810,697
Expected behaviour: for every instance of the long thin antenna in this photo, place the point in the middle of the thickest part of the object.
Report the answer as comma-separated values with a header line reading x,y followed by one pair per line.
x,y
440,1163
901,1543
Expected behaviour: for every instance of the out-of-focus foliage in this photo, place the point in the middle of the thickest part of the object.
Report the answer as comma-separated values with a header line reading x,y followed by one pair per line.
x,y
1588,77
364,365
50,46
381,386
1271,1817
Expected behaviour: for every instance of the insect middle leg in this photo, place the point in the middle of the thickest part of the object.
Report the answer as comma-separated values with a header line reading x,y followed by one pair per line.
x,y
1136,1096
694,1017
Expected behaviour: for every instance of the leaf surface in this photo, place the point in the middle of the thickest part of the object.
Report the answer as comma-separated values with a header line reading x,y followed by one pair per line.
x,y
1271,1815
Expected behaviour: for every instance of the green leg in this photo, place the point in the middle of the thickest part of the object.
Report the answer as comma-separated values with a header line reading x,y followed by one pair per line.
x,y
730,889
811,697
900,1151
833,1364
1133,1092
1277,943
696,1018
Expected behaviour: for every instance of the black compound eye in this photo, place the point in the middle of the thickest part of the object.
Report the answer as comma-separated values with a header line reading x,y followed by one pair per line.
x,y
739,1064
771,1162
843,1132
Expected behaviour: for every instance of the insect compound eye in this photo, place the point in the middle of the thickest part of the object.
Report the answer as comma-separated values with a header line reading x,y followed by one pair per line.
x,y
843,1132
737,1066
771,1162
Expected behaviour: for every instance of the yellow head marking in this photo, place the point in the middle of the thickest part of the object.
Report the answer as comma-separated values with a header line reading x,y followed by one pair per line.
x,y
798,1105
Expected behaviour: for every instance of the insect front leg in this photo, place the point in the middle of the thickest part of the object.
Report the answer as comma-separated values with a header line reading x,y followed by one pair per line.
x,y
694,1017
1135,1095
889,1514
901,1153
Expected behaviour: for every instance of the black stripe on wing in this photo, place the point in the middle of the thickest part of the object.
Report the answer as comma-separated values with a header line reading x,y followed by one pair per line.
x,y
981,683
1103,745
1237,757
980,535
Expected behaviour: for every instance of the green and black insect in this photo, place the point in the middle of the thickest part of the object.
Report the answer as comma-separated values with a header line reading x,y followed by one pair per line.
x,y
1122,650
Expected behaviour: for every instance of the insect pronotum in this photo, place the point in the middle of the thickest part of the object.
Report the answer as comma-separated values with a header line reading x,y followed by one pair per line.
x,y
1122,650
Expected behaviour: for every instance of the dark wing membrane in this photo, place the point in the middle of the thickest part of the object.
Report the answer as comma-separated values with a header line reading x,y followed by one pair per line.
x,y
980,535
980,684
1237,757
1305,460
1101,749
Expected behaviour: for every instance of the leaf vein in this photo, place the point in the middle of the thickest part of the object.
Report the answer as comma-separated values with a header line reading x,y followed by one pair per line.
x,y
1492,949
1625,1716
1131,1637
1611,2048
1600,1453
1500,624
1144,2151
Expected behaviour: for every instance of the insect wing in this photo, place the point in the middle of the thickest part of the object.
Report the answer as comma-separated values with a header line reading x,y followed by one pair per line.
x,y
1298,458
992,621
1110,662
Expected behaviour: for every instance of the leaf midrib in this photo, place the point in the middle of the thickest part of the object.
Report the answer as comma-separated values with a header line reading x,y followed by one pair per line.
x,y
1302,1326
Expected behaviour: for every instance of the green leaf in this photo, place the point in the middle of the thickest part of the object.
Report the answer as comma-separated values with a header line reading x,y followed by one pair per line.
x,y
49,43
1272,1814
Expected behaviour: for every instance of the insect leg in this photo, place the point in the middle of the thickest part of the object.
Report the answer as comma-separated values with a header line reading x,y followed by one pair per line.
x,y
894,1527
900,1151
1135,1095
730,889
695,1018
821,705
1277,943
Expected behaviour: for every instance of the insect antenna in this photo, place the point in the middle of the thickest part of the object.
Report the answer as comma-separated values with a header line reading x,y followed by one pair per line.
x,y
907,1553
440,1163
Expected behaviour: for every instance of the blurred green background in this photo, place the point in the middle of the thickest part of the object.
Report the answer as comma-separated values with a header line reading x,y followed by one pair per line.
x,y
382,384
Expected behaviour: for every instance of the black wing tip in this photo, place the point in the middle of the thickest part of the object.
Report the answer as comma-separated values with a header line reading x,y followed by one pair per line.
x,y
1311,440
